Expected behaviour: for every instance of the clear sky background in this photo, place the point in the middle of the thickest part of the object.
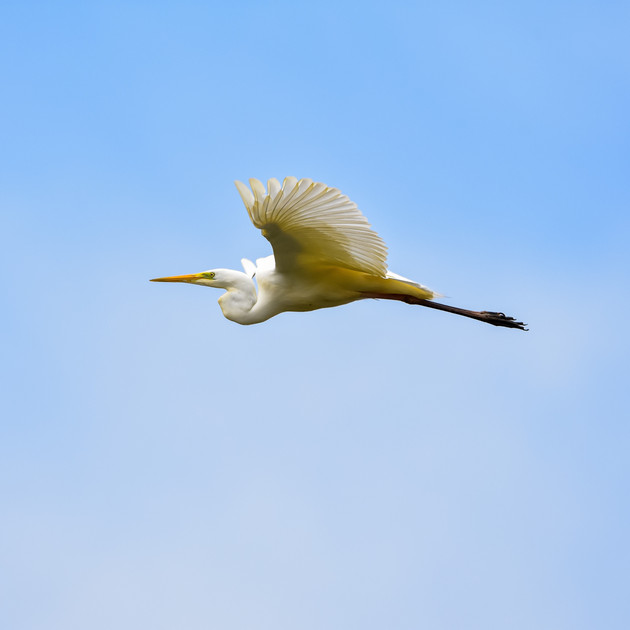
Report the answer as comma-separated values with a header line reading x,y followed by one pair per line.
x,y
372,466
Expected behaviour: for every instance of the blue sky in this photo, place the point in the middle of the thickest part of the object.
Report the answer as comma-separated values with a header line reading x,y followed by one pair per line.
x,y
372,466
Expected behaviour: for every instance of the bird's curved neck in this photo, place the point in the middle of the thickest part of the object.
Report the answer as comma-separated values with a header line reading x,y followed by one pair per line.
x,y
240,302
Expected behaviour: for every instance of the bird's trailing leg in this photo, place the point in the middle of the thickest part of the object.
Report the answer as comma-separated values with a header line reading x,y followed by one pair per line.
x,y
489,317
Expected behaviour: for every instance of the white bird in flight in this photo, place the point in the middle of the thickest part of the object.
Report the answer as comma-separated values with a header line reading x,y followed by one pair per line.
x,y
324,254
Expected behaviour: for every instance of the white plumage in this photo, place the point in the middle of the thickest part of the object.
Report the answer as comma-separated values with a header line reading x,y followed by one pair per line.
x,y
325,254
310,219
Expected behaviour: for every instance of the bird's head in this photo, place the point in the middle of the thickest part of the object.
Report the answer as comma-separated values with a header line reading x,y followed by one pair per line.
x,y
218,278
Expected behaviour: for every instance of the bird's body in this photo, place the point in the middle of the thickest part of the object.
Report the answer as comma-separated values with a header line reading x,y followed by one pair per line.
x,y
307,288
325,255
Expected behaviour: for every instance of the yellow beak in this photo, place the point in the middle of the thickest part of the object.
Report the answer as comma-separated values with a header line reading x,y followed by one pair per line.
x,y
188,278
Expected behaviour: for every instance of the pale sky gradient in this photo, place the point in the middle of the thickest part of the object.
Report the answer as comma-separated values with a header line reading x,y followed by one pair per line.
x,y
373,466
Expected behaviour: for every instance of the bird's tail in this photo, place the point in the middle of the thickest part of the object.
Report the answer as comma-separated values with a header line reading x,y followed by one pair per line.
x,y
396,283
395,287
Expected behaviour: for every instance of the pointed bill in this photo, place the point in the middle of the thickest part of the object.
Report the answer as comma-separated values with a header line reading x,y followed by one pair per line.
x,y
191,277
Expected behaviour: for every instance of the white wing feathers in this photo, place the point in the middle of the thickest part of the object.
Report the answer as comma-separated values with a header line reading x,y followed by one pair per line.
x,y
304,218
249,267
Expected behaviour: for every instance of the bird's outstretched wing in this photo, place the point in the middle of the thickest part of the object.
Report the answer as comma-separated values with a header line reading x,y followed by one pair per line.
x,y
308,221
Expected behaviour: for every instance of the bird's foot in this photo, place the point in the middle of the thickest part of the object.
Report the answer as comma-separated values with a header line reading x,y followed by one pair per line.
x,y
501,319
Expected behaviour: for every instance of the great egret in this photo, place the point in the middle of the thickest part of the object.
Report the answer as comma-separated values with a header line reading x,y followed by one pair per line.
x,y
324,254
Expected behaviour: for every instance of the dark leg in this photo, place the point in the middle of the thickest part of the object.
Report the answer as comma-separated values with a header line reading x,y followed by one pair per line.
x,y
490,317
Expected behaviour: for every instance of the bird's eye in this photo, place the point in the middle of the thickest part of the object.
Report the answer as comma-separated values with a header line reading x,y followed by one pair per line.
x,y
209,275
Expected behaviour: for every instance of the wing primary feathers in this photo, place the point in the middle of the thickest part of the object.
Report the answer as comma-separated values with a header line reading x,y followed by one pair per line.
x,y
245,193
273,187
307,217
258,189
